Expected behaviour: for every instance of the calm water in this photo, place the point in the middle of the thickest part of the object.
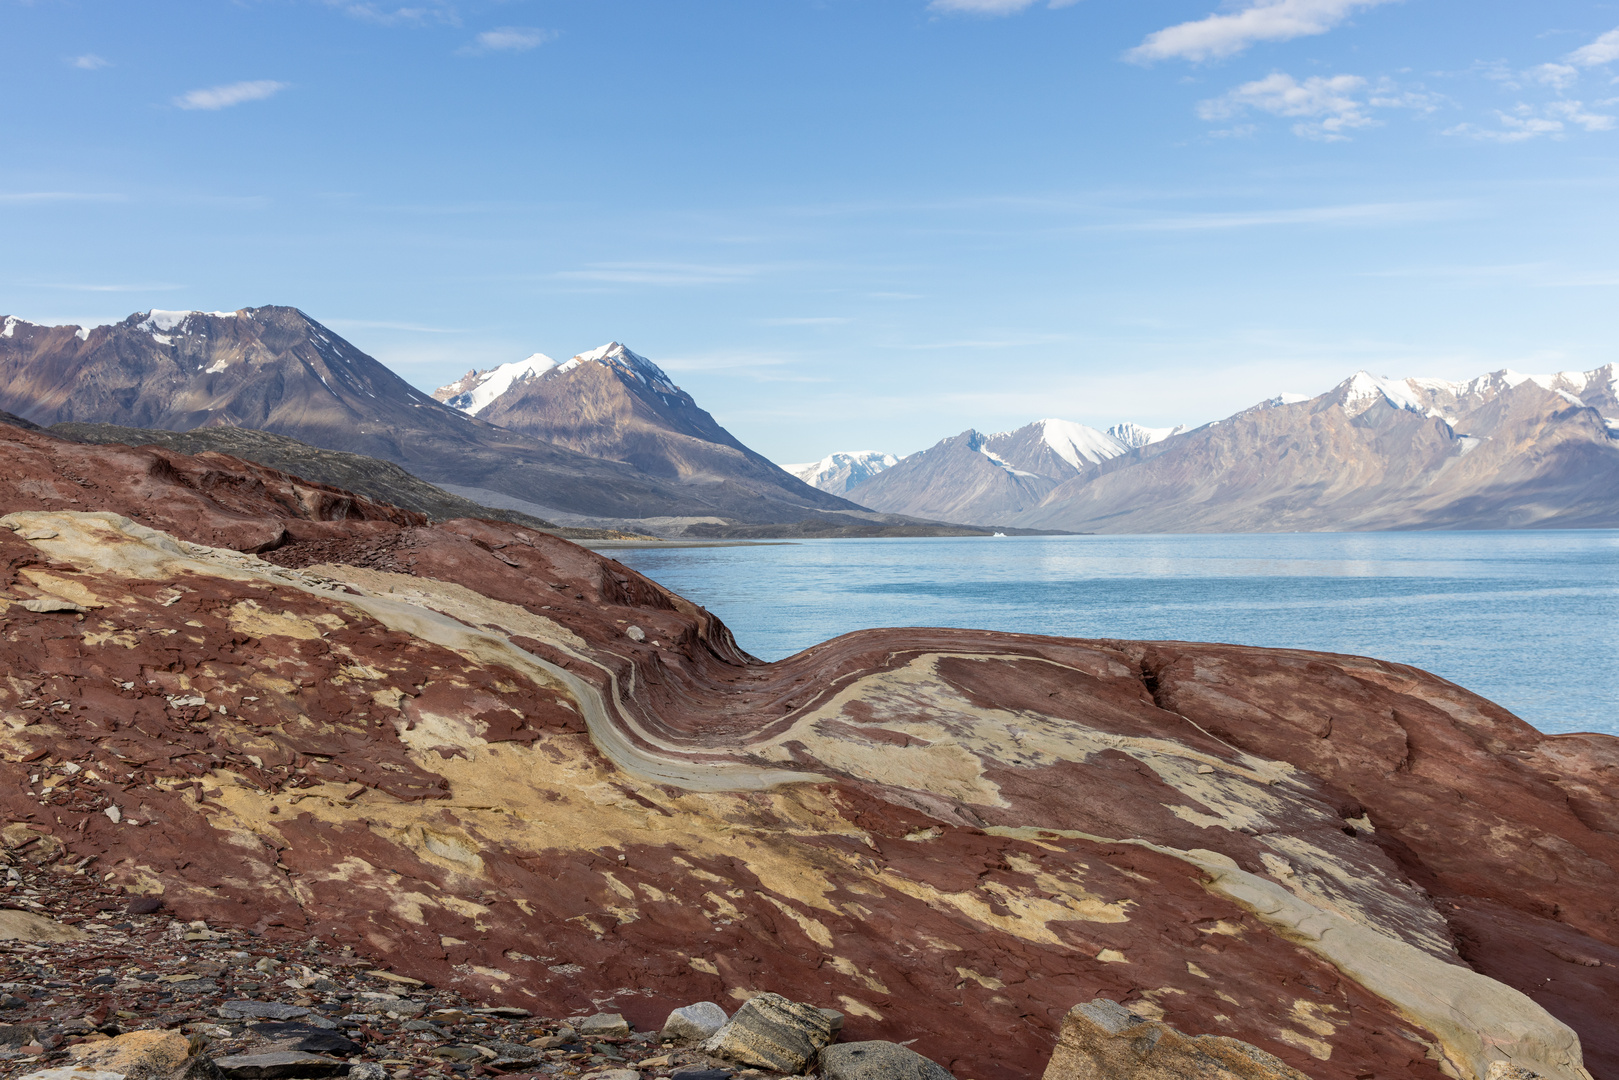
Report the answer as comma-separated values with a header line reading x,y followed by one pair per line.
x,y
1528,619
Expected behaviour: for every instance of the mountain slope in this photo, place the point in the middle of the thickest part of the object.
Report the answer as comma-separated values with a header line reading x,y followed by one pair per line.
x,y
1500,451
372,477
275,369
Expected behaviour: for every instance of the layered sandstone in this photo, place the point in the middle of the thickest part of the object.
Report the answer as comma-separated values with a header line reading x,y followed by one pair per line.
x,y
509,765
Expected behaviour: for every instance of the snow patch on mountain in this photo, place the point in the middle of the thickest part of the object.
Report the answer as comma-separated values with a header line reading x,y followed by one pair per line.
x,y
157,319
1076,443
1363,390
477,390
1135,436
838,472
633,364
982,447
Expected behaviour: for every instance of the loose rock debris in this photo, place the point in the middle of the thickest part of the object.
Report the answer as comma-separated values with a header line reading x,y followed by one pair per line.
x,y
102,980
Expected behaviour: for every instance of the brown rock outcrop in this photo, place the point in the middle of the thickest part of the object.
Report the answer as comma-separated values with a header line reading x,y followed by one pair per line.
x,y
1102,1040
443,746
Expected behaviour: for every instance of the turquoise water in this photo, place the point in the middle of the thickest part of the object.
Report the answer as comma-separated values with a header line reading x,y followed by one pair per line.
x,y
1527,619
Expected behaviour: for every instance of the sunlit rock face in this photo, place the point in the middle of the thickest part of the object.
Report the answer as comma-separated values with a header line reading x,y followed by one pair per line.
x,y
504,763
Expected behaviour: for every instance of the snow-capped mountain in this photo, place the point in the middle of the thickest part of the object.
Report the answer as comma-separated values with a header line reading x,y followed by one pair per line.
x,y
1135,436
615,404
839,472
985,478
1502,450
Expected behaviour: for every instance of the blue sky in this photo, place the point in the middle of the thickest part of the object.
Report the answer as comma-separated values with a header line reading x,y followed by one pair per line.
x,y
841,224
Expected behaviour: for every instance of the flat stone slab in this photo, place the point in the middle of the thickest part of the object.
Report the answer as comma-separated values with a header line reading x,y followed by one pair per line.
x,y
263,1010
284,1065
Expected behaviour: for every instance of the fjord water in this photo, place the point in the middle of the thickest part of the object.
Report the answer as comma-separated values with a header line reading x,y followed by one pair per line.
x,y
1527,619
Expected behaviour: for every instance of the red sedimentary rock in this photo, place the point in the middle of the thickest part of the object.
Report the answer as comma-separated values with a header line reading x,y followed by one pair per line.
x,y
445,747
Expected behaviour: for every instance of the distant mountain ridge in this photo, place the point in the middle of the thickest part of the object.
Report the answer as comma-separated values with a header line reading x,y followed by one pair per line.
x,y
621,445
1504,450
992,478
1076,445
839,472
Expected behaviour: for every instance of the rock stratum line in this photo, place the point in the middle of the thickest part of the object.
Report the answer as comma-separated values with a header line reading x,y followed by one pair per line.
x,y
510,766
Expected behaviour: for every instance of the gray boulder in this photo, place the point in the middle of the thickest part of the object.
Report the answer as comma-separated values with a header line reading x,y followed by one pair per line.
x,y
878,1061
771,1032
694,1023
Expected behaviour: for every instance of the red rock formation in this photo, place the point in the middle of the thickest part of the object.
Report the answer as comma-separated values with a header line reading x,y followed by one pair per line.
x,y
508,764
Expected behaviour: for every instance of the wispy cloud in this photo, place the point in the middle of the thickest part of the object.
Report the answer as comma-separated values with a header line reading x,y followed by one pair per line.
x,y
76,287
1348,214
1326,106
223,97
58,196
435,11
651,273
762,366
993,7
1555,119
507,39
1525,122
88,62
1022,341
368,324
1259,20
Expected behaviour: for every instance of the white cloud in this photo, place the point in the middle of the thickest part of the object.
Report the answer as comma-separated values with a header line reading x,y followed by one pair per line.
x,y
1525,122
223,97
89,62
1348,214
507,39
1325,106
993,7
1260,20
1604,50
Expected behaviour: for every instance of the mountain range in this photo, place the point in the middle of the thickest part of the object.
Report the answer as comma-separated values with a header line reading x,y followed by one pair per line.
x,y
1504,450
604,439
